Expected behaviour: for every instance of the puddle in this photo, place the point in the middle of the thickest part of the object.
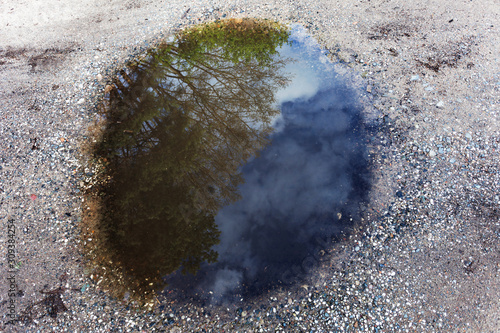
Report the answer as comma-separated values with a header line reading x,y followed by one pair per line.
x,y
228,161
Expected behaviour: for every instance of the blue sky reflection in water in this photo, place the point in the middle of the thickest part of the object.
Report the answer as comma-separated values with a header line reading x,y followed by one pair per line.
x,y
299,192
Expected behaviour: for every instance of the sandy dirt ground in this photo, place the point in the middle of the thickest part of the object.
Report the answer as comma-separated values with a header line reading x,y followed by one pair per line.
x,y
428,75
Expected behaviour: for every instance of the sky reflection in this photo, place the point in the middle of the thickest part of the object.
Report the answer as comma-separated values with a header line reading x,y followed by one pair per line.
x,y
305,185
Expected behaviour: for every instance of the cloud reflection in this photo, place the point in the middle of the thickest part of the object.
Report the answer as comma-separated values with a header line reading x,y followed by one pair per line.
x,y
294,191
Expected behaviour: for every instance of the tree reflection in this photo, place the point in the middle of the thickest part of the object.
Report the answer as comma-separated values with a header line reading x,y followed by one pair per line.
x,y
179,124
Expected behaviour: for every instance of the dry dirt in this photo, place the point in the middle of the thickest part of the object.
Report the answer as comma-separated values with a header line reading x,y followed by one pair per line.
x,y
431,67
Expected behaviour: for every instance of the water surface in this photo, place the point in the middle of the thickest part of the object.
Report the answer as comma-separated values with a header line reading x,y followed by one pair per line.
x,y
229,155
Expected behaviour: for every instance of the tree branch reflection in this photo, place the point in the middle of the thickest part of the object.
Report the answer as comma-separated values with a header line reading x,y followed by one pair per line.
x,y
179,125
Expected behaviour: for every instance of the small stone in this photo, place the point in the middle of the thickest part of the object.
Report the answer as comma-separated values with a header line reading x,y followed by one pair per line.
x,y
99,77
452,160
80,101
432,153
369,88
468,136
440,104
108,89
415,78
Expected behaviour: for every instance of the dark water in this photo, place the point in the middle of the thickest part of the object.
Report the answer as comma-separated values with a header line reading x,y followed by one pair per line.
x,y
236,165
300,193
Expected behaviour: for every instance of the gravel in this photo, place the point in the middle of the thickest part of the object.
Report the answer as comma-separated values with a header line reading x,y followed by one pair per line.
x,y
424,256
